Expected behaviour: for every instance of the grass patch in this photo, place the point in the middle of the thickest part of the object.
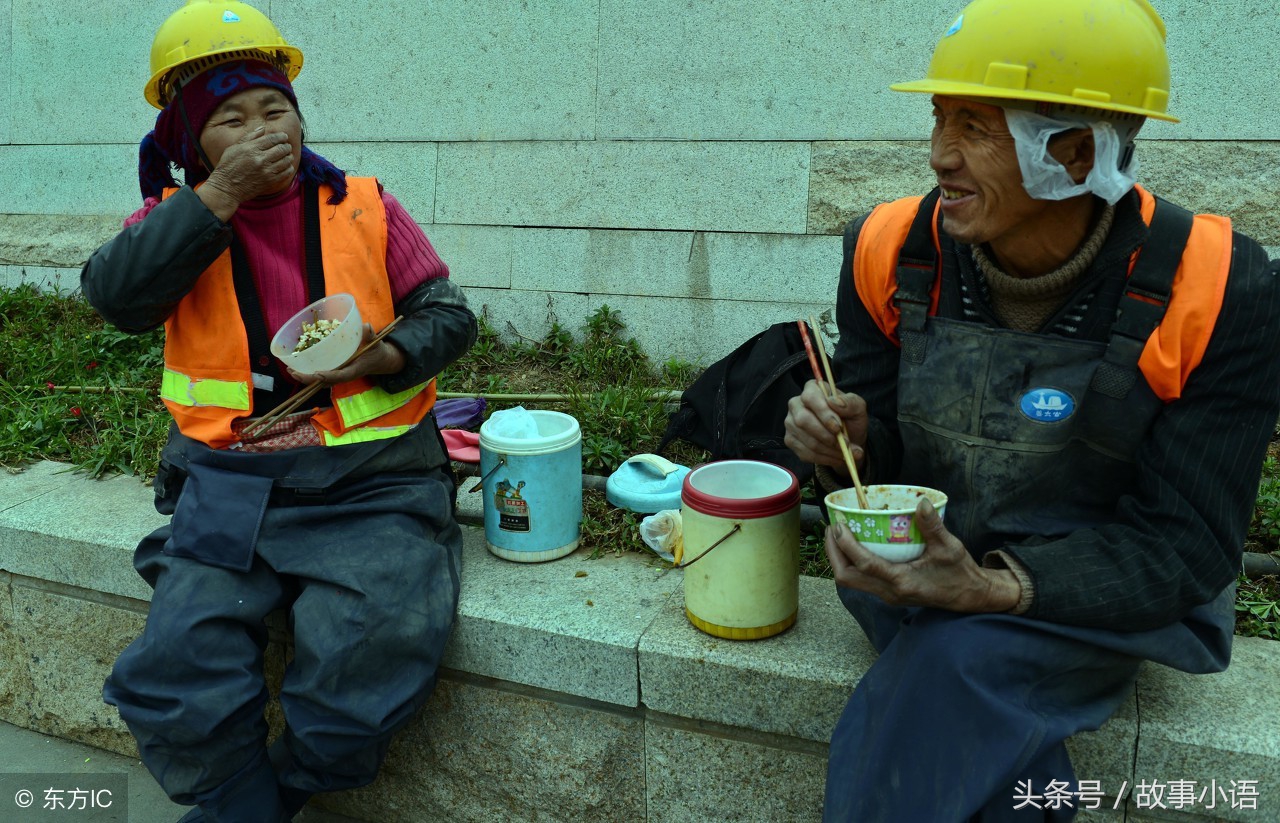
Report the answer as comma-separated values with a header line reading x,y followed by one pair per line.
x,y
1258,607
112,422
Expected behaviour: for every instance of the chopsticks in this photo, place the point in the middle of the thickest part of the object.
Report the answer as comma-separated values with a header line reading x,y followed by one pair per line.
x,y
291,405
828,388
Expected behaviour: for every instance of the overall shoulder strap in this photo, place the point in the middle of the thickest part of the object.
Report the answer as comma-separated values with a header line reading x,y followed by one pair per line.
x,y
1145,299
917,271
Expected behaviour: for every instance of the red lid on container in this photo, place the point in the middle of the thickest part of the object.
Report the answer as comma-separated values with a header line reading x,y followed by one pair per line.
x,y
740,489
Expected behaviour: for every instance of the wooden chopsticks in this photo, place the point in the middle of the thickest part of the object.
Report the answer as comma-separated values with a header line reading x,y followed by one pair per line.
x,y
291,405
828,388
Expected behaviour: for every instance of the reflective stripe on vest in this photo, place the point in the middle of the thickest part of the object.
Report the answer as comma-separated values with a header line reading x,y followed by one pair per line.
x,y
193,391
1172,351
372,403
208,387
365,434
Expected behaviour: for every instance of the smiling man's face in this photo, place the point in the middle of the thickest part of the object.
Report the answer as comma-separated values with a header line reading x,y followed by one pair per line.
x,y
976,162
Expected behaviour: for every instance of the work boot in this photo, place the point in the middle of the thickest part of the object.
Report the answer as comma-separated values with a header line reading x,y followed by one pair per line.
x,y
293,800
252,796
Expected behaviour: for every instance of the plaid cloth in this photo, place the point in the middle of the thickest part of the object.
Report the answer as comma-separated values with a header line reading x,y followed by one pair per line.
x,y
289,432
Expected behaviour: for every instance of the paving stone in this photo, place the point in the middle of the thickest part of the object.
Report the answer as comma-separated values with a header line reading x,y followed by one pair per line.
x,y
6,68
75,72
1221,80
849,179
1106,755
477,256
569,625
33,481
698,778
767,268
1217,730
481,70
1233,178
16,689
795,683
68,646
747,187
774,71
73,180
81,533
406,170
481,754
55,240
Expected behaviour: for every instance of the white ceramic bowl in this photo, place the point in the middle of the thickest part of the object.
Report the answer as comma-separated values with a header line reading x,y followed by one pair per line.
x,y
333,350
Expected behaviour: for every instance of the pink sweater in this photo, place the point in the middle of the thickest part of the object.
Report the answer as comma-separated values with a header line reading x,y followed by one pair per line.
x,y
271,231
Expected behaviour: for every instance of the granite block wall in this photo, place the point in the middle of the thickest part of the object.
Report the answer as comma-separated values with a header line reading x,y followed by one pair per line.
x,y
687,163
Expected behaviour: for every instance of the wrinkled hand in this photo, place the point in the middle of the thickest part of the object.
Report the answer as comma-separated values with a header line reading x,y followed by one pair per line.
x,y
384,358
944,577
813,422
259,163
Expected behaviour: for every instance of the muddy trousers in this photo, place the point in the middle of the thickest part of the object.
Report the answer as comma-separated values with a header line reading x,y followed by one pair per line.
x,y
370,582
960,709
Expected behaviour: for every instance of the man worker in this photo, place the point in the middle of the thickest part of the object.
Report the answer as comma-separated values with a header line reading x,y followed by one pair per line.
x,y
1091,374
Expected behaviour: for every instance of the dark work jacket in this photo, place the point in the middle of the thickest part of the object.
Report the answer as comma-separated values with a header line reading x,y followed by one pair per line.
x,y
1172,536
137,278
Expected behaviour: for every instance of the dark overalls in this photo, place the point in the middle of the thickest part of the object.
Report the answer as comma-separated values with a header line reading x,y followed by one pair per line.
x,y
360,545
1029,437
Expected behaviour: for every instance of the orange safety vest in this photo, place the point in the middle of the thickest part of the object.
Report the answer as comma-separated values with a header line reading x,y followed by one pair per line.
x,y
208,380
1172,351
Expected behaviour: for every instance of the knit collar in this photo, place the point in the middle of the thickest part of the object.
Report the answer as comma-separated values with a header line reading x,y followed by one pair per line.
x,y
1058,282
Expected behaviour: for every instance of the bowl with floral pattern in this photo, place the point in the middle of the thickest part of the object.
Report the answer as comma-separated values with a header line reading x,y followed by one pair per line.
x,y
887,526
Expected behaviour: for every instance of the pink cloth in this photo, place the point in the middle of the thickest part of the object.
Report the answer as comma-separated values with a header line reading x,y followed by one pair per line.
x,y
462,445
271,231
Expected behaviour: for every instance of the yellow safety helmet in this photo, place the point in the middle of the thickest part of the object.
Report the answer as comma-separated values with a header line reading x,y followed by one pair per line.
x,y
204,33
1102,54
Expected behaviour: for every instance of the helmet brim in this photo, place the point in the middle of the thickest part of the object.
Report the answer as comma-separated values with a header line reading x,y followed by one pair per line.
x,y
952,88
292,66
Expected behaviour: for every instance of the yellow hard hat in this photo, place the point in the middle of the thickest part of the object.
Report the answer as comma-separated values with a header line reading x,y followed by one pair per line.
x,y
204,33
1102,54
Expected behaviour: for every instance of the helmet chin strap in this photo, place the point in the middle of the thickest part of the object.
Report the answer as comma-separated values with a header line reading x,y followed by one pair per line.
x,y
191,133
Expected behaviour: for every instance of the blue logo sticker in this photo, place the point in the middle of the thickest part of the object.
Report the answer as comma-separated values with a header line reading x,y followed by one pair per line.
x,y
230,17
1047,405
955,27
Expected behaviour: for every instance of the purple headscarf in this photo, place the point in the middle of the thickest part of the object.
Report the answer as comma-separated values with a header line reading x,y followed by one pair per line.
x,y
171,144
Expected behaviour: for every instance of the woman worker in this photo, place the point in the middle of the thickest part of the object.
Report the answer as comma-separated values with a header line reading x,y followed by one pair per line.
x,y
342,512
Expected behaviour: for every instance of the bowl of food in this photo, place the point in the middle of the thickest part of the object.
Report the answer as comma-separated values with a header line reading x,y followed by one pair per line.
x,y
887,526
322,336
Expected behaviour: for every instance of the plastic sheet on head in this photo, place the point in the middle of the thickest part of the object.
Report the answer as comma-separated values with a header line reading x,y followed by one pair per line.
x,y
663,532
514,423
1045,178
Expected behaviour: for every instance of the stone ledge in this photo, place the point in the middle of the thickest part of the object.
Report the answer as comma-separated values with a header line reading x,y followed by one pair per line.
x,y
546,664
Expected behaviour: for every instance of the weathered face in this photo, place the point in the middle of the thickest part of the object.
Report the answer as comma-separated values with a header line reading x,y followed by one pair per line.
x,y
976,163
241,113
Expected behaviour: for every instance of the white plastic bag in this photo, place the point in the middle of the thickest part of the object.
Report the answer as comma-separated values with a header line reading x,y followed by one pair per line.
x,y
514,423
1045,178
664,534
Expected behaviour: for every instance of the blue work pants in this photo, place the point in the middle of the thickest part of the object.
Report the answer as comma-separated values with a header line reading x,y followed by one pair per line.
x,y
959,709
370,581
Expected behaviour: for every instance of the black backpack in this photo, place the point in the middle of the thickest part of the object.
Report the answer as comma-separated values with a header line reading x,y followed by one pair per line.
x,y
737,407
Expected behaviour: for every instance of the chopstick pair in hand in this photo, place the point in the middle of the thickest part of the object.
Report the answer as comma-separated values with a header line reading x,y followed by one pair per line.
x,y
828,388
291,405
